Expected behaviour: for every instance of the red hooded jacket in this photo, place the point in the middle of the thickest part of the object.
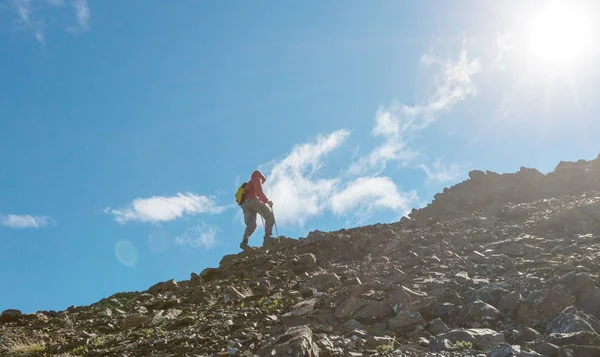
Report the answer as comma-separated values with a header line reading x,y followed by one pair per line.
x,y
254,187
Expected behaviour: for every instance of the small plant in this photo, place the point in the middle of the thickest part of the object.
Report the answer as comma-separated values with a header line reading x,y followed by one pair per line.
x,y
463,345
243,305
78,351
273,305
388,347
100,341
25,349
147,333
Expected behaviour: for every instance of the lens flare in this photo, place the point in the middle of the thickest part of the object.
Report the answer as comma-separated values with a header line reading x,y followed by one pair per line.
x,y
126,253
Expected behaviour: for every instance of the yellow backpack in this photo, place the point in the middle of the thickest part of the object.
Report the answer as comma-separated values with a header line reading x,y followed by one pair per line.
x,y
240,195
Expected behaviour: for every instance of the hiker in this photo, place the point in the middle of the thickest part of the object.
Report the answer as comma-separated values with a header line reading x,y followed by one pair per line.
x,y
251,198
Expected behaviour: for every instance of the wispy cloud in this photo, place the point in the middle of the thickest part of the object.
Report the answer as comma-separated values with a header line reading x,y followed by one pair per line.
x,y
365,194
440,172
24,221
300,192
162,209
32,14
293,183
82,13
202,236
398,123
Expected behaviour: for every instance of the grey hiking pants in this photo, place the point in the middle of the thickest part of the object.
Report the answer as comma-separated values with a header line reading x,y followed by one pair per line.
x,y
251,207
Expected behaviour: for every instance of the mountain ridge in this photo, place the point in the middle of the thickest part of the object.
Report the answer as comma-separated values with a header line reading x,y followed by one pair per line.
x,y
497,265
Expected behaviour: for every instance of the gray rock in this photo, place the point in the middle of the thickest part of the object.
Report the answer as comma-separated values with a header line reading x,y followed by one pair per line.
x,y
579,351
573,320
509,303
544,304
588,299
363,310
323,281
528,334
489,294
302,263
481,339
296,341
437,327
544,348
136,321
574,338
503,350
407,320
481,314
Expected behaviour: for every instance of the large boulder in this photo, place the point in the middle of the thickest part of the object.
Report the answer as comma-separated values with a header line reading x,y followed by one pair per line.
x,y
481,338
322,282
574,338
544,304
588,299
363,310
302,263
10,315
480,314
296,341
573,320
407,320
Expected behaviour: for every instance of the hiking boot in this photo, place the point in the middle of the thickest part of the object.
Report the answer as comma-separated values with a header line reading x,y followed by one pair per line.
x,y
244,246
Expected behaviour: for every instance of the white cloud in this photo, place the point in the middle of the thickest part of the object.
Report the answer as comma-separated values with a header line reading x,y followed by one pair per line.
x,y
292,185
24,221
82,13
161,209
369,193
32,14
299,193
398,123
202,236
440,172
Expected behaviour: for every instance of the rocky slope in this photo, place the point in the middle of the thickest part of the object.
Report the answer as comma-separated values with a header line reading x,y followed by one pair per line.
x,y
498,265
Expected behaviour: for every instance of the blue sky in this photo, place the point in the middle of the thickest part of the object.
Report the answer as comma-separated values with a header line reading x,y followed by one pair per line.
x,y
126,126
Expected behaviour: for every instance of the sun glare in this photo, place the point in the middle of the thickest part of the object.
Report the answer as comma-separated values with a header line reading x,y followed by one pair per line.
x,y
560,34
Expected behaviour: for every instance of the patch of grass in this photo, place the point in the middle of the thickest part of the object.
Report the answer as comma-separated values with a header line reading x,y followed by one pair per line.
x,y
100,341
388,347
463,345
147,332
273,305
26,348
78,351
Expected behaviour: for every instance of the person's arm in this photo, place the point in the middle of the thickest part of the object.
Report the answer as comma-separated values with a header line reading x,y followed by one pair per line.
x,y
259,191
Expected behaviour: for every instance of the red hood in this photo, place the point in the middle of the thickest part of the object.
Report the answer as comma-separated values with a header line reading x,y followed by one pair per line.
x,y
258,175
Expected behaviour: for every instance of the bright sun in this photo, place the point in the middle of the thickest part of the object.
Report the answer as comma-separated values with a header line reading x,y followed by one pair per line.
x,y
560,34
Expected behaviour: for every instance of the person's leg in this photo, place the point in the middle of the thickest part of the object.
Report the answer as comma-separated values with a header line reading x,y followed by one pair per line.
x,y
266,212
249,219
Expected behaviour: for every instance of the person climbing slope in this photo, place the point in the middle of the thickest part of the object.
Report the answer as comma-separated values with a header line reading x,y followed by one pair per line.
x,y
252,200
